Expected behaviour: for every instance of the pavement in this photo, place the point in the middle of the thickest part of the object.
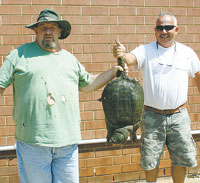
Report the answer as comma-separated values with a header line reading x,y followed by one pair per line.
x,y
188,179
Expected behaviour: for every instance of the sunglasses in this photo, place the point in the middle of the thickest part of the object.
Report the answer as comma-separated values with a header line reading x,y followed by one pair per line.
x,y
166,27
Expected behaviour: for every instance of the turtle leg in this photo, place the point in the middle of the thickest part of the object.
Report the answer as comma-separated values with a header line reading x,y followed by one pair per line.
x,y
120,136
133,132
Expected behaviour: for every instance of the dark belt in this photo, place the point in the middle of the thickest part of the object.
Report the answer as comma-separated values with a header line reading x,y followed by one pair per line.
x,y
167,111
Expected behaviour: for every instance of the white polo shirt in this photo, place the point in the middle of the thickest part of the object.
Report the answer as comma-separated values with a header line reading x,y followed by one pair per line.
x,y
165,73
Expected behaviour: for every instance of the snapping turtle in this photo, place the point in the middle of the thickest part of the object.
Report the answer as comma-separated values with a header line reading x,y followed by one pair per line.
x,y
123,101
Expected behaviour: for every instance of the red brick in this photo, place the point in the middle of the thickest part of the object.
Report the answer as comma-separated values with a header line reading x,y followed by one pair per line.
x,y
3,162
96,48
97,67
9,100
122,29
12,162
108,170
10,2
126,176
95,11
4,179
86,172
8,91
106,57
124,159
121,11
17,19
101,134
76,2
131,167
2,121
157,3
108,153
99,162
196,3
68,10
20,39
99,115
82,163
132,2
11,140
85,96
95,29
9,10
131,151
84,58
11,170
5,50
106,20
135,158
94,125
165,163
97,94
10,121
13,179
3,141
148,11
88,135
144,29
177,11
87,116
131,20
6,110
7,131
77,39
100,179
77,20
46,2
179,3
92,106
86,155
104,3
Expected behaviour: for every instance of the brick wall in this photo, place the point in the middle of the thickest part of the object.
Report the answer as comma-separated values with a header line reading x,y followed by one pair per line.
x,y
95,26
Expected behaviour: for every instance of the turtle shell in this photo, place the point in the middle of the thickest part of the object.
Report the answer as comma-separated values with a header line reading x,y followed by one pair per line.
x,y
123,101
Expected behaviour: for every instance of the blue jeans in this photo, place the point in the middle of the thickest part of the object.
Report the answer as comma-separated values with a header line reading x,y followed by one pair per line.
x,y
39,164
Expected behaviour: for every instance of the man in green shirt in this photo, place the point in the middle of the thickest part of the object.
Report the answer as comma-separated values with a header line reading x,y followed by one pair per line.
x,y
46,81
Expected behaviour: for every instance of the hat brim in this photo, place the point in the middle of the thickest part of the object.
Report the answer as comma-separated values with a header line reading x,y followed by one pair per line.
x,y
63,24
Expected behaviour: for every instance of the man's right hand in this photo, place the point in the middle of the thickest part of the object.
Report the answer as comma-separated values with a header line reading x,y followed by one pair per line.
x,y
118,50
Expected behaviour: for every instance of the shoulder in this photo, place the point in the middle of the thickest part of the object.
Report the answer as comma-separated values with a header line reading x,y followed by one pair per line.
x,y
183,48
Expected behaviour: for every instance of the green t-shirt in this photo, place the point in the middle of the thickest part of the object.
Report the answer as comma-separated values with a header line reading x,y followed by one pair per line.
x,y
46,98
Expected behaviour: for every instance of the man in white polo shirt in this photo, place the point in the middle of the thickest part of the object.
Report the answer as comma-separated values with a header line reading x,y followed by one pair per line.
x,y
166,66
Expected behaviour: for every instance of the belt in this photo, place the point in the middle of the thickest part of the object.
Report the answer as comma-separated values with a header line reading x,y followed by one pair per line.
x,y
167,111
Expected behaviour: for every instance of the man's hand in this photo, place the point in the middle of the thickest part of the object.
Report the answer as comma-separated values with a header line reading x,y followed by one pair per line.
x,y
117,68
118,50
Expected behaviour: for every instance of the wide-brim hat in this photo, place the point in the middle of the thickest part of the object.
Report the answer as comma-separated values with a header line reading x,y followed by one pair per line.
x,y
48,15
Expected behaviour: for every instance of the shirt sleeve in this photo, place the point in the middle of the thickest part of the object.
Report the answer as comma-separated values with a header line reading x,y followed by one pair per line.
x,y
139,53
195,64
84,76
6,71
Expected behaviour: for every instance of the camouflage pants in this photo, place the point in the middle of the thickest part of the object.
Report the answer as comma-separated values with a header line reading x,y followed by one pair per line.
x,y
171,130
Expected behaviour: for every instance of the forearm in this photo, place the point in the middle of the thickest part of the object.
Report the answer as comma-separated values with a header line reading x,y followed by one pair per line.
x,y
100,80
130,59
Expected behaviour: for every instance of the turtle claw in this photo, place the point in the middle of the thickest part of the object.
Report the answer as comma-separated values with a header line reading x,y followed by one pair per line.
x,y
118,138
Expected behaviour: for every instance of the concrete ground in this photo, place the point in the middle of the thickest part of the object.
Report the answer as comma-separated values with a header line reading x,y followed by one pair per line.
x,y
169,180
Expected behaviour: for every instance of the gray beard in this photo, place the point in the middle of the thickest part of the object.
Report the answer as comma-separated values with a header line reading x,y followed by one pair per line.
x,y
49,45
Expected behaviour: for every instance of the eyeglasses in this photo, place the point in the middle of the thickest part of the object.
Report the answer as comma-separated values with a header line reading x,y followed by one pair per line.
x,y
166,27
